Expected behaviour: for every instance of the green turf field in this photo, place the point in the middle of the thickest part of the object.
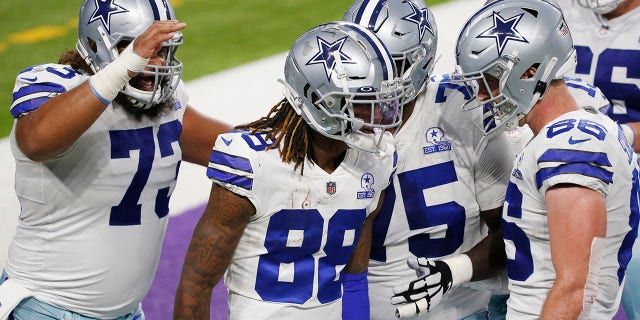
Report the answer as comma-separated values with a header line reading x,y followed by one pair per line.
x,y
220,33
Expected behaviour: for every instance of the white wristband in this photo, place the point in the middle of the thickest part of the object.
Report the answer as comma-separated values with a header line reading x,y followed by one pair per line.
x,y
107,83
629,133
461,269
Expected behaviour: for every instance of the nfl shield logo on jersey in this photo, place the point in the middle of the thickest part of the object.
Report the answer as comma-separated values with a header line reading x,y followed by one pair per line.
x,y
331,187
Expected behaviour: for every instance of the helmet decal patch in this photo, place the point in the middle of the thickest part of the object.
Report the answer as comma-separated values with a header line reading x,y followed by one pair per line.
x,y
366,183
504,30
419,17
437,142
327,54
104,10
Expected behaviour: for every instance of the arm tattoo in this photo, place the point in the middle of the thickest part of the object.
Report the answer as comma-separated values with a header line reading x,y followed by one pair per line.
x,y
212,246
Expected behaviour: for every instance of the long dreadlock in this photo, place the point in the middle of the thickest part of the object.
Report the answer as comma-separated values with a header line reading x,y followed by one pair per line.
x,y
291,133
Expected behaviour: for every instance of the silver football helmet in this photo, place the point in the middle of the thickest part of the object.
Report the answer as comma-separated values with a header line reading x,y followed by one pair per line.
x,y
341,79
104,26
408,29
499,43
600,6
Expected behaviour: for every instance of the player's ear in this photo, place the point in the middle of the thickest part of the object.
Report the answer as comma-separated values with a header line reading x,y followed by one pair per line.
x,y
530,72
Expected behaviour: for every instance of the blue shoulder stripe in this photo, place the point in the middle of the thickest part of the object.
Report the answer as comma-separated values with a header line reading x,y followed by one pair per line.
x,y
231,161
37,88
234,179
565,155
585,169
27,106
234,162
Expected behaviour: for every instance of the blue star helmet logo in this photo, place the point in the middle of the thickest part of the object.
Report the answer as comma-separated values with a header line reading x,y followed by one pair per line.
x,y
104,10
503,31
419,17
435,135
327,55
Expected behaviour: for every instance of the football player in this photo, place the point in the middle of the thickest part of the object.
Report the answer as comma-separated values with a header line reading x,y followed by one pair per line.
x,y
450,181
295,192
571,209
98,140
605,34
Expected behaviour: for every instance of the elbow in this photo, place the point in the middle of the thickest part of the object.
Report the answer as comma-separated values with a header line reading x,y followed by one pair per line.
x,y
34,151
38,150
35,142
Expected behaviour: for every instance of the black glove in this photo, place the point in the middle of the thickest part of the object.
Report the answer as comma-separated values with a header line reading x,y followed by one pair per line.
x,y
421,295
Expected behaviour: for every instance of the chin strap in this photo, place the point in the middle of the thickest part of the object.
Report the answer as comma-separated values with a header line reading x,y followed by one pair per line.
x,y
541,86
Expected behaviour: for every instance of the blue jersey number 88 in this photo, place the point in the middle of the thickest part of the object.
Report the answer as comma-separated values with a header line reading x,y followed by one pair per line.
x,y
301,256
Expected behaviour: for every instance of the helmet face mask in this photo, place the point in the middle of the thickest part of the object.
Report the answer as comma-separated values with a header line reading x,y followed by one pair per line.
x,y
600,6
499,108
107,27
408,29
341,80
524,44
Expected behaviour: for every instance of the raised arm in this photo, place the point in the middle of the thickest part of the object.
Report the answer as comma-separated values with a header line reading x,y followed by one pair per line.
x,y
46,132
214,241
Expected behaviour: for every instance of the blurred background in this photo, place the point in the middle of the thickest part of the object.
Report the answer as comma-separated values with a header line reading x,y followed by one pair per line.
x,y
233,53
220,34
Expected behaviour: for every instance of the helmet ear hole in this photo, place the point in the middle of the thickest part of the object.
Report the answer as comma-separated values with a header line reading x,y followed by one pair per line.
x,y
123,44
530,72
92,45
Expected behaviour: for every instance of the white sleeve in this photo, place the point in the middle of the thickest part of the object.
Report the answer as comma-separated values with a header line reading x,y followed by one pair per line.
x,y
494,165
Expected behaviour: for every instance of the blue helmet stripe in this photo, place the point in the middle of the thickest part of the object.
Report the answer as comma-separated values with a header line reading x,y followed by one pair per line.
x,y
156,10
388,65
166,10
154,7
368,13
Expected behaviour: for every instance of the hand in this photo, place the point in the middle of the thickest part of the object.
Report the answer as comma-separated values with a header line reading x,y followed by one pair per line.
x,y
421,295
150,42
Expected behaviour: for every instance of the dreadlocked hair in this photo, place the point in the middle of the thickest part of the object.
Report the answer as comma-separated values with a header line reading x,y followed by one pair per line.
x,y
291,133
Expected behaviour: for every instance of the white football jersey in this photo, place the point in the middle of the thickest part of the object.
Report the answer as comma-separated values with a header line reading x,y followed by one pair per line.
x,y
93,219
584,148
290,257
447,172
608,56
586,94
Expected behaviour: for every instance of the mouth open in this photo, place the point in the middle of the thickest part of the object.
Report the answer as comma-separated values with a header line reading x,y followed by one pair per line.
x,y
142,82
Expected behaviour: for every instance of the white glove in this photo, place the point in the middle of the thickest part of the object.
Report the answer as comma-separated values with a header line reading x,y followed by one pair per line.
x,y
435,279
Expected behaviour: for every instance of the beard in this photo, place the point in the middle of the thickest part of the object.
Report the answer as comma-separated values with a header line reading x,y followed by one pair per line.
x,y
151,113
